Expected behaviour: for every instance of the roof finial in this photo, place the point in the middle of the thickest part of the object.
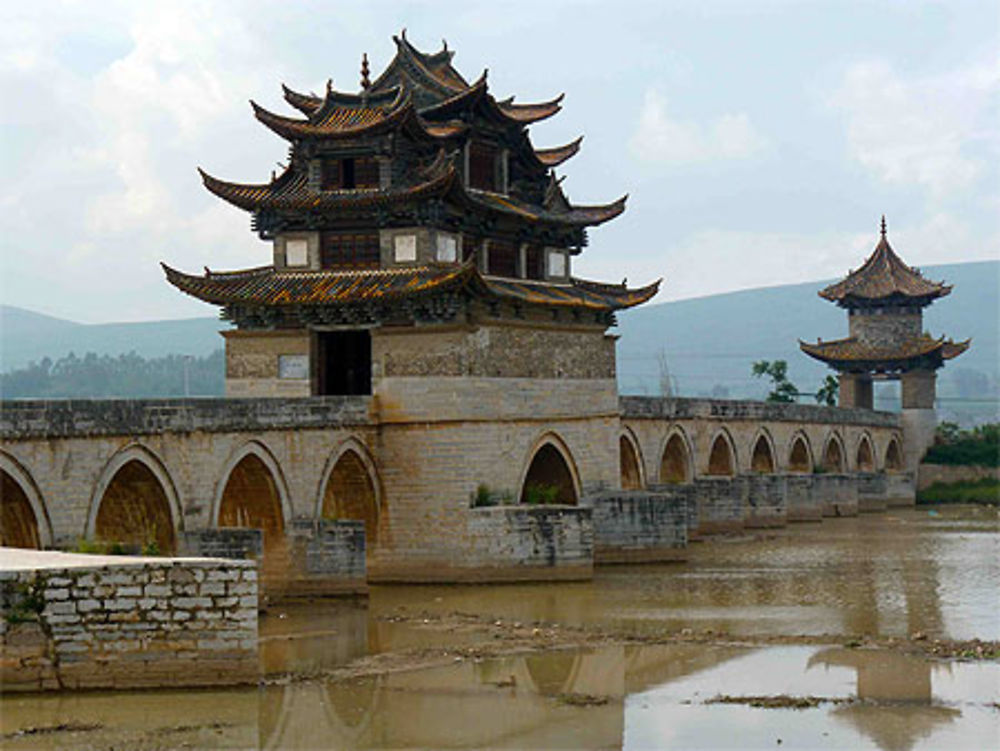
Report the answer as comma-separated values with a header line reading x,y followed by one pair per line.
x,y
365,81
329,85
883,226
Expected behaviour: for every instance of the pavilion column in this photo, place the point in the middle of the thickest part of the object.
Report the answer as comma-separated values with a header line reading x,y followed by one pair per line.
x,y
856,390
918,416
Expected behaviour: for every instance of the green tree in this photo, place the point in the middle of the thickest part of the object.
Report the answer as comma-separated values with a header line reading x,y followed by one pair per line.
x,y
782,390
828,391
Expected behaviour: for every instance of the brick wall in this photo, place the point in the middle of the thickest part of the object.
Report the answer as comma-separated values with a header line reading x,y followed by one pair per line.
x,y
129,624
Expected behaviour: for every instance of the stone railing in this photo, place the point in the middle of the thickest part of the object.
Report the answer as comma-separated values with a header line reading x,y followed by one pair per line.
x,y
71,418
664,408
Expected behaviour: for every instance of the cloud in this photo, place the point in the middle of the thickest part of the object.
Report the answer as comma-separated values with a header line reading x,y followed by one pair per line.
x,y
926,131
665,140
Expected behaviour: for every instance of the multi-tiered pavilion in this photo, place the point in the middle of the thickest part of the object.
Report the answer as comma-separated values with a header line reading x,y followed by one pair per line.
x,y
884,300
417,201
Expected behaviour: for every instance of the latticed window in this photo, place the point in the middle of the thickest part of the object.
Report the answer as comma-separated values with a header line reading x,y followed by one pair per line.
x,y
503,258
349,173
482,166
350,250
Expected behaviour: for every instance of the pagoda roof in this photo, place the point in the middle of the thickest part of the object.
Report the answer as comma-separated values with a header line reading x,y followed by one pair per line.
x,y
432,71
268,286
854,352
884,277
531,112
291,191
555,156
307,104
340,121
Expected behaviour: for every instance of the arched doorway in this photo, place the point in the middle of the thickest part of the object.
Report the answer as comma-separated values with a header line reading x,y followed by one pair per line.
x,y
628,462
798,458
350,494
251,500
833,455
134,510
18,525
762,458
721,461
675,465
893,456
549,479
865,458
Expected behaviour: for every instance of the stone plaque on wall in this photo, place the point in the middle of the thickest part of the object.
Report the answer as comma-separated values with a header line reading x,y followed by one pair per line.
x,y
293,367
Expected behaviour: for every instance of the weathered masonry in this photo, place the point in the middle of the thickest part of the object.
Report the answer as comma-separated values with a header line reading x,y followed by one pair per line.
x,y
345,490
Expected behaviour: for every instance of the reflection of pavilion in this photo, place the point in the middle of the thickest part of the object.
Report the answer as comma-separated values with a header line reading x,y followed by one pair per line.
x,y
885,677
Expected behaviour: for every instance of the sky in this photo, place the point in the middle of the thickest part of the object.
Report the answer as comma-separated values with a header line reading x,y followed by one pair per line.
x,y
759,141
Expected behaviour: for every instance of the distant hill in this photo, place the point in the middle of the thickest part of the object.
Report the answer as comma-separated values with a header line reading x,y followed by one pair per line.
x,y
26,336
708,343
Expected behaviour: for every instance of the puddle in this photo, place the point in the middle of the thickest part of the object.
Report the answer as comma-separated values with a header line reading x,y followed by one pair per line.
x,y
632,697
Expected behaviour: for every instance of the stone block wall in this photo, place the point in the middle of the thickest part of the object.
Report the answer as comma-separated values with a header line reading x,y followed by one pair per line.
x,y
872,487
524,543
328,558
766,505
801,499
928,474
900,490
133,624
838,494
720,504
638,526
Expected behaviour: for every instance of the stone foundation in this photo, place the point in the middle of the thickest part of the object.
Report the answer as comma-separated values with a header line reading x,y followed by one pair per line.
x,y
637,526
900,490
801,500
765,501
872,487
838,494
720,505
99,622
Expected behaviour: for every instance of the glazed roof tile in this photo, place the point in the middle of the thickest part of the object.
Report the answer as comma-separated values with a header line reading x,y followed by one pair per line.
x,y
268,286
883,276
555,156
852,349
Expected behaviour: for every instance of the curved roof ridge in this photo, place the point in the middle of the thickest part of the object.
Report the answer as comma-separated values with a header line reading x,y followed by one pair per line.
x,y
884,275
556,155
530,112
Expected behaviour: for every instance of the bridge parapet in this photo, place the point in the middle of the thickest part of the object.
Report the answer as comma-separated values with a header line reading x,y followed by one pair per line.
x,y
679,408
80,418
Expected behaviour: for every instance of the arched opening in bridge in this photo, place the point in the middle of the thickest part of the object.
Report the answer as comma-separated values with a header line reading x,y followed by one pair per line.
x,y
549,479
251,500
833,456
628,463
134,510
675,466
350,494
798,458
720,459
552,673
893,456
18,525
866,461
762,459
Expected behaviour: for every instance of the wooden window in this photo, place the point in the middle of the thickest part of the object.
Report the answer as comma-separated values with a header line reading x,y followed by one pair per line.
x,y
349,173
503,258
356,251
482,166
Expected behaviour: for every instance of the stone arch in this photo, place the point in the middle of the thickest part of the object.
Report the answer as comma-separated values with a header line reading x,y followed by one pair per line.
x,y
135,502
676,459
24,520
350,489
252,493
553,673
865,457
551,465
762,454
630,461
722,455
800,458
834,456
894,456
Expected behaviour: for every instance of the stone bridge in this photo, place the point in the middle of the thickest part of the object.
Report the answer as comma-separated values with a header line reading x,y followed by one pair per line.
x,y
332,491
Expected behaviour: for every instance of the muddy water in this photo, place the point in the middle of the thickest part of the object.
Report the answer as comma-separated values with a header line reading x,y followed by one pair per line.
x,y
887,575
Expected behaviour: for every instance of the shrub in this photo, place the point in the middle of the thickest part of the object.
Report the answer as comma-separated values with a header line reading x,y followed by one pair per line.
x,y
986,490
977,447
540,494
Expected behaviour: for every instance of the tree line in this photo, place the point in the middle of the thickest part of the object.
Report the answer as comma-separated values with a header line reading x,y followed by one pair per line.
x,y
126,376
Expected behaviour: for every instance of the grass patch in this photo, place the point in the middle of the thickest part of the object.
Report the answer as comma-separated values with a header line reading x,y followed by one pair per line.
x,y
984,491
